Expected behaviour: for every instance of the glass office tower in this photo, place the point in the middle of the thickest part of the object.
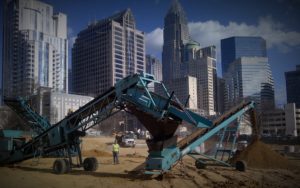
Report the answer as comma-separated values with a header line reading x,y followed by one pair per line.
x,y
235,47
250,78
292,79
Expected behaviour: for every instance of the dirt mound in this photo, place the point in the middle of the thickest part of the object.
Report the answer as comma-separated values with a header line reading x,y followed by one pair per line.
x,y
260,155
96,153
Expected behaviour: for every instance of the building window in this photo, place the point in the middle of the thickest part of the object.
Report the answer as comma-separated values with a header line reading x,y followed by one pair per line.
x,y
118,56
118,61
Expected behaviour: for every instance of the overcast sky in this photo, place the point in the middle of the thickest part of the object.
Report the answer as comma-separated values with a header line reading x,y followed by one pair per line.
x,y
209,22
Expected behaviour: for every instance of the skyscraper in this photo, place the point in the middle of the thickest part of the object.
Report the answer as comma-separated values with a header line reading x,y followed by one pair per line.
x,y
185,89
35,48
70,81
250,78
235,47
105,52
292,79
184,57
176,34
201,64
221,95
153,66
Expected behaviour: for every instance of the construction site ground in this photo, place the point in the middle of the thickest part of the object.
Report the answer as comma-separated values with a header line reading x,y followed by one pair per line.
x,y
38,173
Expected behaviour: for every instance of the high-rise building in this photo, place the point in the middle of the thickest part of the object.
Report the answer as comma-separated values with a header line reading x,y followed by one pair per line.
x,y
235,47
176,34
105,52
250,78
154,67
70,81
35,48
184,57
185,90
221,95
201,64
292,79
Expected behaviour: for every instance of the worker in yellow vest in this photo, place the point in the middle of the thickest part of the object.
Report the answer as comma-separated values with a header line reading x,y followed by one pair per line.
x,y
115,151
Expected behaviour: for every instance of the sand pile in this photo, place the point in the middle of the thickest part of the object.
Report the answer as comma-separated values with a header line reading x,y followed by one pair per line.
x,y
260,155
96,153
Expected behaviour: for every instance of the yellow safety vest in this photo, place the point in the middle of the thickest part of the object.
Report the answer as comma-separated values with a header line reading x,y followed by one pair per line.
x,y
116,147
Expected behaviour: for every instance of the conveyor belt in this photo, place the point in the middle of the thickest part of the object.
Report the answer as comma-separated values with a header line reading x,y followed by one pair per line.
x,y
86,110
195,135
27,114
14,105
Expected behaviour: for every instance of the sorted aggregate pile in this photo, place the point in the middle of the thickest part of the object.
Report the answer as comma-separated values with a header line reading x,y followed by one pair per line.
x,y
260,155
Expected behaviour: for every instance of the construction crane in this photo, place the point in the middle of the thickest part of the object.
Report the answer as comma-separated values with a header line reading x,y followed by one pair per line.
x,y
160,115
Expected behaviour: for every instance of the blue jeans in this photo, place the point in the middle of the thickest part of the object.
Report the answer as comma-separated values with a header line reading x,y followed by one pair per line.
x,y
116,157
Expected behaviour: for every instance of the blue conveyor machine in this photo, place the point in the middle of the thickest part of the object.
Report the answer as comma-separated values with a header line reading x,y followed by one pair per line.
x,y
160,114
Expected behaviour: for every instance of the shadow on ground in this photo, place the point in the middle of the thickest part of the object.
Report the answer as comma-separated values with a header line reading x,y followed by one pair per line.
x,y
135,174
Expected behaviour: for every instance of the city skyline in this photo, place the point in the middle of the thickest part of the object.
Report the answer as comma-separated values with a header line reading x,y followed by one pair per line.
x,y
208,23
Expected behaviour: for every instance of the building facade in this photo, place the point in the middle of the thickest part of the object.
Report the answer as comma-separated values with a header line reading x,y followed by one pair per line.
x,y
250,78
56,105
176,34
35,48
221,95
105,52
281,121
292,80
235,47
70,80
154,67
201,64
184,57
185,89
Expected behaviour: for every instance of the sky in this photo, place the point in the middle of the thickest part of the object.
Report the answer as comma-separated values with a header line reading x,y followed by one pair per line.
x,y
277,21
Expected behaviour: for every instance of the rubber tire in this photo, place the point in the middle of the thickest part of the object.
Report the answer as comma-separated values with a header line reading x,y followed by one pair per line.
x,y
200,165
241,166
68,166
90,164
60,166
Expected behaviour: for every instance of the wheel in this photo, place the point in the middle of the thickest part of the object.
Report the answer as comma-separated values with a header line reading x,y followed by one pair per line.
x,y
241,166
61,166
68,166
90,164
200,164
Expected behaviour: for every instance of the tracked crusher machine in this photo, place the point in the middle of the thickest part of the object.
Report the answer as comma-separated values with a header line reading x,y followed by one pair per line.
x,y
161,116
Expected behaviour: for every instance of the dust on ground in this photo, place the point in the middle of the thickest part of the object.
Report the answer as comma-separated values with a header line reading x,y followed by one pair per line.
x,y
129,173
